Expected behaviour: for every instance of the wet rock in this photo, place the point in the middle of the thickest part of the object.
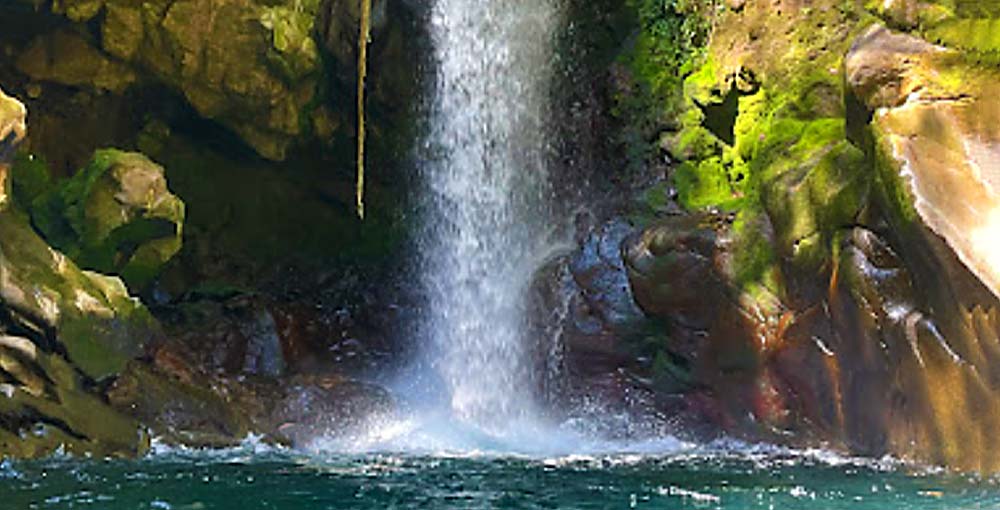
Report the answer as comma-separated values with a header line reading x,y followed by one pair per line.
x,y
681,273
92,315
599,270
934,140
45,294
593,356
316,407
183,404
49,307
116,215
192,409
45,406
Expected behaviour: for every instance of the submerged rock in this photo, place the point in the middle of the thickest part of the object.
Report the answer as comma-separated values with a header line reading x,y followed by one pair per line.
x,y
116,215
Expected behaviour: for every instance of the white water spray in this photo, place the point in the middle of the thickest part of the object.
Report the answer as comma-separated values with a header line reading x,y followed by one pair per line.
x,y
487,185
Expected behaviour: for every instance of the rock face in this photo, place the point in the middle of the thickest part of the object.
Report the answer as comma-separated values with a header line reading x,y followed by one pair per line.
x,y
12,128
584,312
254,66
834,279
67,57
85,367
938,141
48,307
116,216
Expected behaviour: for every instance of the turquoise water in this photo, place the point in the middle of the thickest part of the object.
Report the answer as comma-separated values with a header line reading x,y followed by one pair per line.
x,y
697,478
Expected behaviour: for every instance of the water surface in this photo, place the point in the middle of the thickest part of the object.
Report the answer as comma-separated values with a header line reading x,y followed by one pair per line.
x,y
696,478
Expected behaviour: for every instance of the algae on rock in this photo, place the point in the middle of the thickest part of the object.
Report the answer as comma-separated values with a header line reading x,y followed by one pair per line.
x,y
116,216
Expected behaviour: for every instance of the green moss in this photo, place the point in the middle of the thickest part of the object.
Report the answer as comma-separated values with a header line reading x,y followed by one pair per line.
x,y
29,177
706,184
294,50
671,36
981,34
703,85
78,10
755,263
97,220
788,167
895,192
92,315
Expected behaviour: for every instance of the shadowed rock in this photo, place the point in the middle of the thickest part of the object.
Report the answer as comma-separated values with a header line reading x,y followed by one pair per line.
x,y
116,215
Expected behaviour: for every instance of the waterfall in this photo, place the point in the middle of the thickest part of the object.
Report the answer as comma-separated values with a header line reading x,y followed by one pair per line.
x,y
486,219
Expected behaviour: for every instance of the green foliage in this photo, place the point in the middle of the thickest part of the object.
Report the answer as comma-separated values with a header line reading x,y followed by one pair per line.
x,y
755,261
293,51
29,178
671,37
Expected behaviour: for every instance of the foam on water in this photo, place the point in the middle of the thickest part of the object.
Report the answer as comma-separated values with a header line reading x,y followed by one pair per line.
x,y
440,435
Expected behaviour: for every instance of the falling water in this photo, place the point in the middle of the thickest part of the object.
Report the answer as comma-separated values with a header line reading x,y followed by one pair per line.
x,y
487,187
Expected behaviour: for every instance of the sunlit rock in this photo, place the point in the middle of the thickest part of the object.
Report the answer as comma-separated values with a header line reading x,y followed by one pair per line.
x,y
12,129
937,132
60,327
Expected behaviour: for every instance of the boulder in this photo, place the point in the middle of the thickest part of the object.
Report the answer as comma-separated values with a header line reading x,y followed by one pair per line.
x,y
850,299
585,319
91,315
116,216
179,409
45,407
936,140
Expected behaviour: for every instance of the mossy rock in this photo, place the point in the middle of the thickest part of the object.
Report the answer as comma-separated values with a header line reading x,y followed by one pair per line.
x,y
116,216
67,58
29,179
934,140
44,407
91,315
251,65
12,130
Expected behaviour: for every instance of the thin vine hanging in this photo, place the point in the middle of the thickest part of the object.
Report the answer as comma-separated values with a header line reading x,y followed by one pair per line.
x,y
366,12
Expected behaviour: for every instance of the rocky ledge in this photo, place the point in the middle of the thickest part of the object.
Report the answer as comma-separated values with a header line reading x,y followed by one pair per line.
x,y
85,368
